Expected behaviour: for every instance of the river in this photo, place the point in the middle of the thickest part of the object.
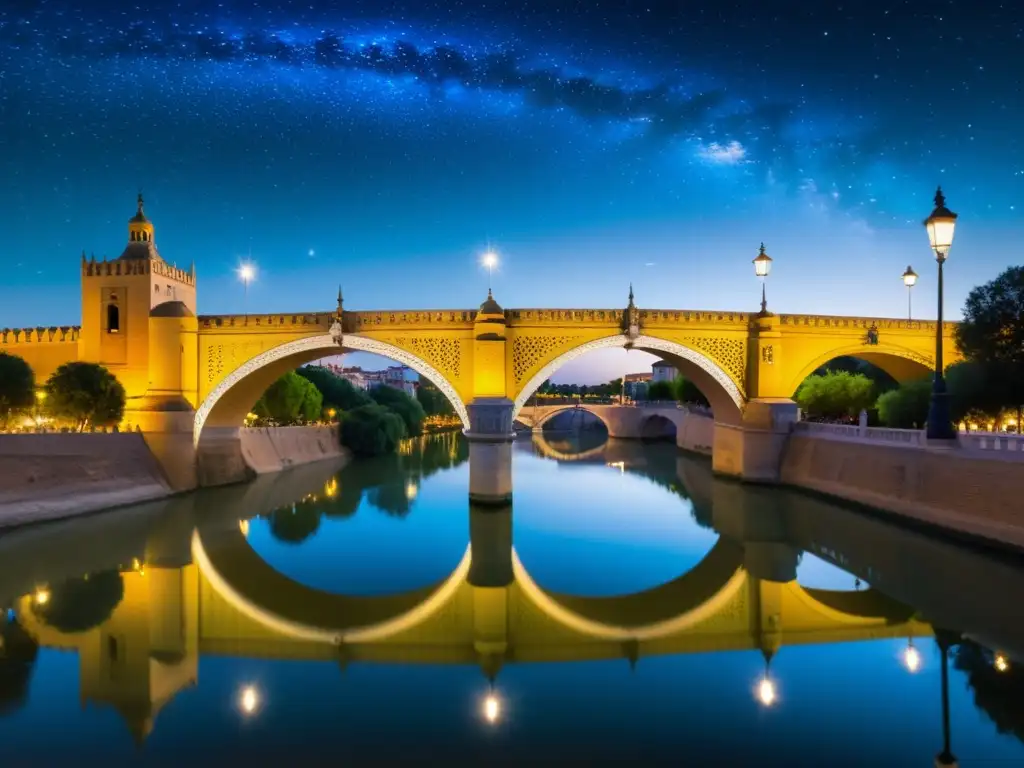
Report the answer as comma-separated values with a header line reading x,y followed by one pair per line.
x,y
628,608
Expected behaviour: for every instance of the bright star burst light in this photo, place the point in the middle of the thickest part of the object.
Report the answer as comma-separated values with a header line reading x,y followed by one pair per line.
x,y
247,273
489,260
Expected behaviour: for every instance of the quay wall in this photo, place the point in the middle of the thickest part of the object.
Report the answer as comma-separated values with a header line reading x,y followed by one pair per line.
x,y
55,475
61,475
951,489
696,433
271,449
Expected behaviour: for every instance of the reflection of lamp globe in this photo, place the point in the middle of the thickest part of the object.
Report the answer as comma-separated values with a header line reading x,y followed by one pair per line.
x,y
911,658
1000,663
249,700
492,708
766,692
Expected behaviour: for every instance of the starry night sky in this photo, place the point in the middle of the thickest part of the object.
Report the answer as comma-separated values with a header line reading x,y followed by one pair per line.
x,y
384,145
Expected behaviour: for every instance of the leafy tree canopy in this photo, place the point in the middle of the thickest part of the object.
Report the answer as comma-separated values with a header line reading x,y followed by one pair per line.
x,y
432,400
407,408
338,393
661,390
291,399
371,430
86,394
992,329
17,387
907,406
81,603
835,394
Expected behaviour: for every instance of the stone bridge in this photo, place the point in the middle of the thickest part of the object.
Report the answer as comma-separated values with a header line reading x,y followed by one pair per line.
x,y
191,380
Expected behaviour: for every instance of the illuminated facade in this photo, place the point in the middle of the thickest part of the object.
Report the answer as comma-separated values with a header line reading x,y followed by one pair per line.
x,y
191,380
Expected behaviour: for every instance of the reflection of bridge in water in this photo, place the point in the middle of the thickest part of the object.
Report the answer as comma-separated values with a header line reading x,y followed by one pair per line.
x,y
199,589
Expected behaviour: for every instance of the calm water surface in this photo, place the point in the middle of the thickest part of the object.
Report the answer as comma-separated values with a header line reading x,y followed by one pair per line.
x,y
631,609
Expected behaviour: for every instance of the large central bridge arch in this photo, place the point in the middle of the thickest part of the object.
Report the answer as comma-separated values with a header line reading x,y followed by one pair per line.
x,y
233,397
727,401
901,363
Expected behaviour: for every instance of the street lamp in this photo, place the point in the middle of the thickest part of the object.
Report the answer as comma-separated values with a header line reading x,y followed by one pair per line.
x,y
246,273
762,266
909,280
940,226
489,261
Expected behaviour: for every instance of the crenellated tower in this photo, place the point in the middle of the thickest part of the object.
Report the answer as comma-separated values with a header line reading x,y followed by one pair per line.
x,y
137,311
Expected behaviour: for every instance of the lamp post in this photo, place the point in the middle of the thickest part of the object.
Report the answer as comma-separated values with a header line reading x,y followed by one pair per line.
x,y
490,261
762,266
909,280
940,226
246,273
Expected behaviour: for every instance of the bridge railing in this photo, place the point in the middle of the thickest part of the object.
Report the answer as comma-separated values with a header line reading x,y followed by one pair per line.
x,y
992,441
914,437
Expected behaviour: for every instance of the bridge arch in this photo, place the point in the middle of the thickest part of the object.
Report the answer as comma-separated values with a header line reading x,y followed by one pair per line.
x,y
228,403
727,401
899,362
548,415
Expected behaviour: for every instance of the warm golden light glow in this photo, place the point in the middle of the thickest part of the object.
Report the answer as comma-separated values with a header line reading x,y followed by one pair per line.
x,y
331,488
243,526
911,658
762,263
42,596
766,693
249,700
940,226
619,465
492,708
411,491
331,413
1000,663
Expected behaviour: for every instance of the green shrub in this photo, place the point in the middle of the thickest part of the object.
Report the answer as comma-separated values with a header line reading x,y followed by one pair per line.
x,y
371,430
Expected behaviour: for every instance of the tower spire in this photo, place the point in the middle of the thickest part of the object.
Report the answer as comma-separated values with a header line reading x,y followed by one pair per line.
x,y
631,293
140,204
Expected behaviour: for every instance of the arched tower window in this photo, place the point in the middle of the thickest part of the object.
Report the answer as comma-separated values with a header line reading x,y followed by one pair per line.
x,y
113,319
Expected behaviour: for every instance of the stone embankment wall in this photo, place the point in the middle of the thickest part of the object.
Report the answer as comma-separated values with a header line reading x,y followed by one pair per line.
x,y
271,449
979,496
49,476
696,433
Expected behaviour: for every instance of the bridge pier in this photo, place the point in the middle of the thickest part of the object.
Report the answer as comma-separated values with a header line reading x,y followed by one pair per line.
x,y
219,458
752,450
168,435
757,520
490,437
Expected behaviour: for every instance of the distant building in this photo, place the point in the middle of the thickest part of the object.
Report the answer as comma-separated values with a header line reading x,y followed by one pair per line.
x,y
397,376
635,384
662,371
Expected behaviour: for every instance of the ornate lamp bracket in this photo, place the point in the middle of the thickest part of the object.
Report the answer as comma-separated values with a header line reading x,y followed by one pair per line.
x,y
337,329
631,326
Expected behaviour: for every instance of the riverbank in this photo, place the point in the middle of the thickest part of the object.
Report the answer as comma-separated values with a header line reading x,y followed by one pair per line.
x,y
47,477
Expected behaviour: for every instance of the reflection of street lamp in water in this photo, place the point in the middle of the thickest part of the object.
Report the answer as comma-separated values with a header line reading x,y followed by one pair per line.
x,y
492,708
911,657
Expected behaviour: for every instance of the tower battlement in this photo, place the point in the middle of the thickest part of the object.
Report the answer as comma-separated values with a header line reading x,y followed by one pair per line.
x,y
54,334
93,267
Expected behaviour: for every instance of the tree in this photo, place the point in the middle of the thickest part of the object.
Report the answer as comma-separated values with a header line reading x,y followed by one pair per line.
x,y
81,603
835,395
18,651
660,390
17,387
289,400
295,523
395,400
685,391
86,394
432,400
371,430
907,406
977,391
883,381
338,393
992,332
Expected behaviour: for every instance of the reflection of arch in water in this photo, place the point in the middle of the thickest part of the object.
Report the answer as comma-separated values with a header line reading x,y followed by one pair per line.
x,y
549,451
695,596
853,607
236,572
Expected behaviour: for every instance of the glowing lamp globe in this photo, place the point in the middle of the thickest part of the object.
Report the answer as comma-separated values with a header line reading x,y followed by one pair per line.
x,y
762,263
489,260
909,278
940,226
